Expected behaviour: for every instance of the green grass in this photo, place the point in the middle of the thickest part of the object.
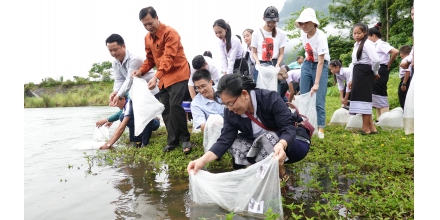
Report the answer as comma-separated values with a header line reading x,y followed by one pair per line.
x,y
379,169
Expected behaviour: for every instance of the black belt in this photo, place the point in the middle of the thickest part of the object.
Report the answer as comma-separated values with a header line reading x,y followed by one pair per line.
x,y
273,61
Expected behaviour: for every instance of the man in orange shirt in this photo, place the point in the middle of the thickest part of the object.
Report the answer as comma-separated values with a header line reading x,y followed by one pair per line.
x,y
165,51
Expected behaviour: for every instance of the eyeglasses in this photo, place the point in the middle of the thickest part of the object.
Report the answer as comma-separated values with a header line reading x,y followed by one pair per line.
x,y
230,105
302,23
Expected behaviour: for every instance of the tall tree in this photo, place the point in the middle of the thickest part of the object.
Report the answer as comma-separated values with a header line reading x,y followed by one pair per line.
x,y
346,13
101,71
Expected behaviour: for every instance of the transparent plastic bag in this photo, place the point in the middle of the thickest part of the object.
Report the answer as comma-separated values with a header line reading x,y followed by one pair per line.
x,y
306,105
354,122
408,111
249,192
340,117
145,105
212,130
392,119
268,77
101,134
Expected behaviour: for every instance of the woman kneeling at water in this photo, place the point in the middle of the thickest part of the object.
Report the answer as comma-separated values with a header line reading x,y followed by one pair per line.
x,y
277,134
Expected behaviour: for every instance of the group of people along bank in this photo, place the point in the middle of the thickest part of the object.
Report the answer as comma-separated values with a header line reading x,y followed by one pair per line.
x,y
254,122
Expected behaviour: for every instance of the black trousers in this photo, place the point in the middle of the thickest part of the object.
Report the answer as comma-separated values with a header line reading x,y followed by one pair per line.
x,y
174,116
401,94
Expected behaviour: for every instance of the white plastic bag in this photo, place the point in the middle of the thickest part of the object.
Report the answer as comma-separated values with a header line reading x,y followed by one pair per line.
x,y
212,130
354,122
249,192
392,119
101,134
340,117
306,105
267,77
408,111
145,105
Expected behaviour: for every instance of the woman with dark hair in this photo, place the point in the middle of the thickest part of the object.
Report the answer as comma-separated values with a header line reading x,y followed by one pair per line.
x,y
231,51
341,77
387,54
266,124
247,36
365,66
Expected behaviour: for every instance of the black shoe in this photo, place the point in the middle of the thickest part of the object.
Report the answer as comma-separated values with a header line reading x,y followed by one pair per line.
x,y
137,144
169,148
186,147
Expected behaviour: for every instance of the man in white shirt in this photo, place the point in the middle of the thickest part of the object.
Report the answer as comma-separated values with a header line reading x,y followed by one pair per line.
x,y
202,62
206,109
123,65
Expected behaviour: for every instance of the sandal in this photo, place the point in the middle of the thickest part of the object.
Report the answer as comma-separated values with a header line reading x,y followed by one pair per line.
x,y
186,147
169,148
362,132
284,178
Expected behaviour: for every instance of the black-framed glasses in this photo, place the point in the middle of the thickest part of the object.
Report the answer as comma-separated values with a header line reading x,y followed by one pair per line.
x,y
230,105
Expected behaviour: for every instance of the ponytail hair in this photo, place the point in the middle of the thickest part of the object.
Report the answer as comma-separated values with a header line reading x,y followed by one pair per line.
x,y
375,30
222,23
364,28
234,84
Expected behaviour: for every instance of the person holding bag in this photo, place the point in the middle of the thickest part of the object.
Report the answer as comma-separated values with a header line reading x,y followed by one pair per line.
x,y
268,45
231,51
255,142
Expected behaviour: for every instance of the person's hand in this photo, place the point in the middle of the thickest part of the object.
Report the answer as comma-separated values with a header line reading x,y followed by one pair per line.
x,y
350,85
404,65
136,73
195,166
105,147
376,77
279,152
114,101
101,122
403,88
112,95
152,83
344,102
108,124
314,88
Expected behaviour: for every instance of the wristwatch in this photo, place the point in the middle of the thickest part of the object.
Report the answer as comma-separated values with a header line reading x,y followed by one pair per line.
x,y
108,145
403,84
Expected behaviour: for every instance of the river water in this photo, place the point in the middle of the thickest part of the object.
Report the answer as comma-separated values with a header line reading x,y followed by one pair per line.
x,y
57,184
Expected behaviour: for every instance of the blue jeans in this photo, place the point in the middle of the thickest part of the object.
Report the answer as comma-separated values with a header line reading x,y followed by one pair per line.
x,y
307,80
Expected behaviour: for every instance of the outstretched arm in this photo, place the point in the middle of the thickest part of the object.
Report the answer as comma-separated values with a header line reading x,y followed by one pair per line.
x,y
117,134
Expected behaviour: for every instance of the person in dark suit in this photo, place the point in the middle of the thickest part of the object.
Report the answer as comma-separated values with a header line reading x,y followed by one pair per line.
x,y
275,130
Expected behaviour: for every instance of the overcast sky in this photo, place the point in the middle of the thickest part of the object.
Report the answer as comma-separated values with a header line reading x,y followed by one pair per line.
x,y
67,37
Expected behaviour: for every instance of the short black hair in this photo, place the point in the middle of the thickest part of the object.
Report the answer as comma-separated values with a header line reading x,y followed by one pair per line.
x,y
207,53
147,11
299,57
405,50
115,38
201,74
198,62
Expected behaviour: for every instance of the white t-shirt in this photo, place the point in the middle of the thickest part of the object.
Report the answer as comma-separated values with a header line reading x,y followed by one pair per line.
x,y
383,48
215,72
227,59
293,76
268,48
315,46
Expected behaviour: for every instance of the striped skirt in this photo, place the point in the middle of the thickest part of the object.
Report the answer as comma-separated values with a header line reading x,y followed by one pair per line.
x,y
362,90
380,94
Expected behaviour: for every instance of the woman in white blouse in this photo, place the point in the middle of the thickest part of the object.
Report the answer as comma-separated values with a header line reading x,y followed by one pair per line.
x,y
231,51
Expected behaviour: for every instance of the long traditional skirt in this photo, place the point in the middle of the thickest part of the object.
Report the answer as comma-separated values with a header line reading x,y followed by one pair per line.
x,y
362,90
380,94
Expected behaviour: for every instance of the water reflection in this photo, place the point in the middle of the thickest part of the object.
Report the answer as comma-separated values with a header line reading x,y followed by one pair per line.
x,y
126,191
